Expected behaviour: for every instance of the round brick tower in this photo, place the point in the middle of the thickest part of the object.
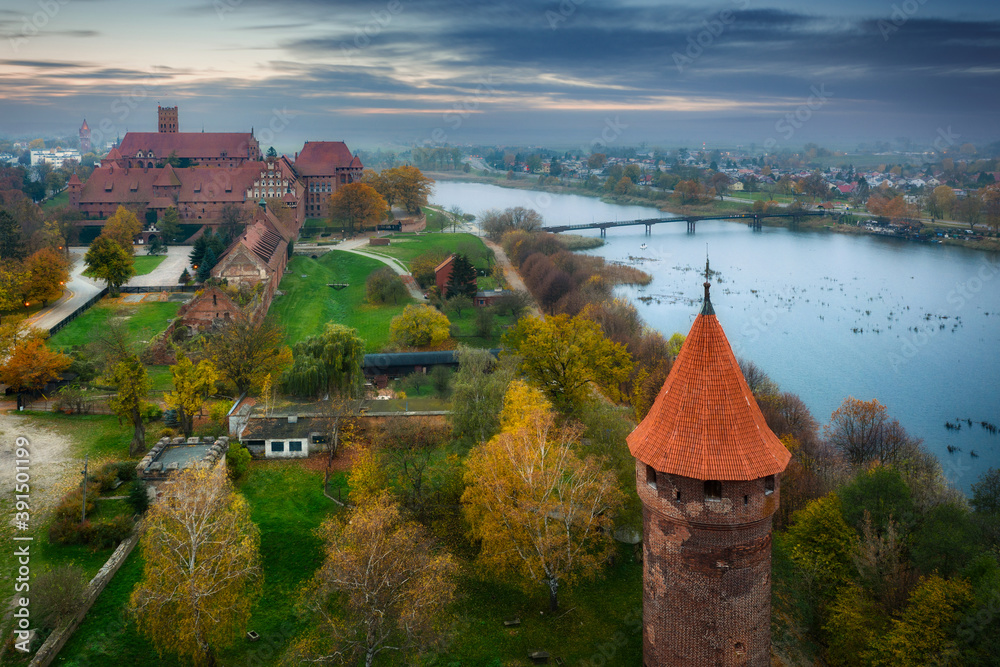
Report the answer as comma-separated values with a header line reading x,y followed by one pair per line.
x,y
707,469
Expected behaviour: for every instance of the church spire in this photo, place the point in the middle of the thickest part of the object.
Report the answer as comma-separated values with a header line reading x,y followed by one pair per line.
x,y
706,308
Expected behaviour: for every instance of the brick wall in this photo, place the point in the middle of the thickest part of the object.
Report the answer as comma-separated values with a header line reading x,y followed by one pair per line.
x,y
707,571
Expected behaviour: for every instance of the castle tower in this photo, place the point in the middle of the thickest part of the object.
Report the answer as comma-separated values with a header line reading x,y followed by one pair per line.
x,y
707,469
168,118
74,186
85,146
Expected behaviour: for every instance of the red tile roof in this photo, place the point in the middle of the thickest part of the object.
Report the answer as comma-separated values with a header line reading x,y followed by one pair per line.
x,y
323,158
74,180
705,423
197,184
192,145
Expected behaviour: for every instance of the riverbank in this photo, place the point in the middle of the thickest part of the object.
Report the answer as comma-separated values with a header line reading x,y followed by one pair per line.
x,y
530,183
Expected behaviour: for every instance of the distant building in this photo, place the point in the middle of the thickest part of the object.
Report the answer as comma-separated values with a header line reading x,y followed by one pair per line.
x,y
168,119
54,156
85,138
323,166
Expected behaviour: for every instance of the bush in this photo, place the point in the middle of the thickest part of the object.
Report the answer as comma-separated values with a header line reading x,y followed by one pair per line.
x,y
106,476
384,286
70,505
151,412
57,594
138,497
167,432
484,322
237,460
106,533
170,418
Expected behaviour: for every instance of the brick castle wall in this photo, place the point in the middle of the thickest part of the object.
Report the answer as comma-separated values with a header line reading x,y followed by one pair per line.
x,y
707,572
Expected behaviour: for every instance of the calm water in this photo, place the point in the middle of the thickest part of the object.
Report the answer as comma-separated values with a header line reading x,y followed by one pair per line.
x,y
826,315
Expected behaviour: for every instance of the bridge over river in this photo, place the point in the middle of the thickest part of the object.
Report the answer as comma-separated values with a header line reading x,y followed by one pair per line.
x,y
753,220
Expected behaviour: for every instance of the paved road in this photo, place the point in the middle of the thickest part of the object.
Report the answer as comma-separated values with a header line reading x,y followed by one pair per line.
x,y
355,246
170,269
78,291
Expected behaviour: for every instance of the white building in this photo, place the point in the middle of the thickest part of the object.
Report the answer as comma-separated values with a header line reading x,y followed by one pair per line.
x,y
54,157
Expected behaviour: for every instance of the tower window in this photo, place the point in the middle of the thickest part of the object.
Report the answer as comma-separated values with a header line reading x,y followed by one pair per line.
x,y
769,485
651,476
713,490
678,497
746,500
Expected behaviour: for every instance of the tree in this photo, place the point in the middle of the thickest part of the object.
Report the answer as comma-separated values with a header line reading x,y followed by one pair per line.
x,y
822,544
478,390
271,152
201,572
538,509
941,202
122,228
232,221
31,365
58,594
408,445
690,192
385,285
563,355
623,186
597,160
49,272
422,267
462,281
720,183
358,205
192,384
14,330
208,261
170,225
381,588
863,432
11,243
245,351
107,261
411,188
419,326
496,223
131,383
327,364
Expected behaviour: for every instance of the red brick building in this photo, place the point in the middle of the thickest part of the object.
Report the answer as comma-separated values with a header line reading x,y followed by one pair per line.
x,y
707,469
168,119
323,166
85,146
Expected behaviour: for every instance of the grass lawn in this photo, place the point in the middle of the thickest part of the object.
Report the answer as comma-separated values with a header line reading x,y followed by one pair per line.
x,y
308,304
145,264
61,199
160,378
143,321
99,436
407,247
287,504
436,219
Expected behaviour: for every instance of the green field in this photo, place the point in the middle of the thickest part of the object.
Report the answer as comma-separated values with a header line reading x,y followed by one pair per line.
x,y
145,264
61,199
407,247
308,304
143,321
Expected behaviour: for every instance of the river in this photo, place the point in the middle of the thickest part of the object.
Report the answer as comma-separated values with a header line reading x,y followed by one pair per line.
x,y
826,315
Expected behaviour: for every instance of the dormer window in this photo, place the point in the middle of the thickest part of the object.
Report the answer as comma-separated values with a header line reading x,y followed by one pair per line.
x,y
713,490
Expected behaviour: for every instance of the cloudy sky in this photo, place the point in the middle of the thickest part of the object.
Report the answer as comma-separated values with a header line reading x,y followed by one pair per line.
x,y
571,73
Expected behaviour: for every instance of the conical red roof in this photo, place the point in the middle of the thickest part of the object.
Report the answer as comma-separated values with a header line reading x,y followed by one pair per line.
x,y
705,423
167,178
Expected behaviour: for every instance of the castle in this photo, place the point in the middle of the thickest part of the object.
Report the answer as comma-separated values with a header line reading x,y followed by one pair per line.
x,y
707,473
199,173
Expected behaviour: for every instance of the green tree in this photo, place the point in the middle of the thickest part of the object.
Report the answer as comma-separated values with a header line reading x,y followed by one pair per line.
x,y
131,383
11,244
882,493
383,286
170,225
478,390
330,363
192,385
564,355
822,544
462,280
107,261
419,326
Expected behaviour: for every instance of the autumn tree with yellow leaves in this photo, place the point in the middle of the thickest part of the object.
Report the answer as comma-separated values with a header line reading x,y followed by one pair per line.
x,y
419,326
383,587
540,511
202,570
192,385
